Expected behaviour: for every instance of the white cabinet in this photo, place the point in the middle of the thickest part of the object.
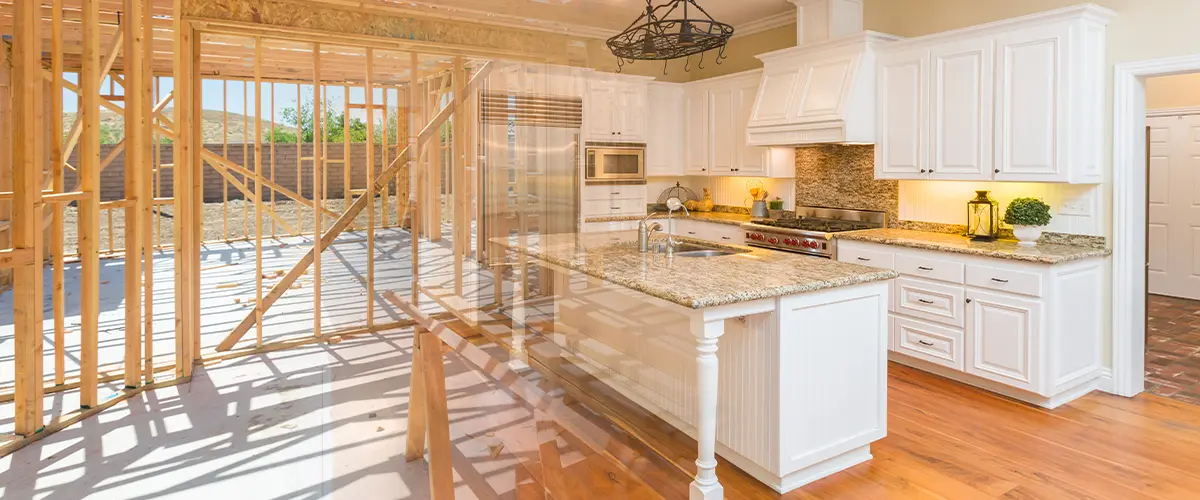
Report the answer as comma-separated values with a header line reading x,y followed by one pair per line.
x,y
695,126
665,136
716,114
710,231
603,200
1002,332
1030,331
615,110
1015,100
900,152
960,141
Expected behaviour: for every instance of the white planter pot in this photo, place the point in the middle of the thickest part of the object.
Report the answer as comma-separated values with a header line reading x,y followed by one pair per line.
x,y
1027,235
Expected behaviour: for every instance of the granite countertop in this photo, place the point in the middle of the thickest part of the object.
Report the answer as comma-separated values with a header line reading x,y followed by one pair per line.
x,y
717,217
694,282
1044,253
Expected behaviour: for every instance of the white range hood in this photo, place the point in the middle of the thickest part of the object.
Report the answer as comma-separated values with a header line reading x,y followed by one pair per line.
x,y
823,90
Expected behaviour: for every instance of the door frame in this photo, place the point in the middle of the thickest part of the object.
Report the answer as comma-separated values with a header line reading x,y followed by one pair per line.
x,y
1130,216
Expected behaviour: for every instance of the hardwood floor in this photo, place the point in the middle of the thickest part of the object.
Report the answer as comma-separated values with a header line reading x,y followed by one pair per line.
x,y
945,440
1173,348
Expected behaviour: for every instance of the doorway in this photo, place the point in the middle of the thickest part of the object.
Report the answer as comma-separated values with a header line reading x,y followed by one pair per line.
x,y
1173,242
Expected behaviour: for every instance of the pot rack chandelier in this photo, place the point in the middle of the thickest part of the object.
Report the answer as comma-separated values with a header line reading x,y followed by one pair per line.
x,y
676,29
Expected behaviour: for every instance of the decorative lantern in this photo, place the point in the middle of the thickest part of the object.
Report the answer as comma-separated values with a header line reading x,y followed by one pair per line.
x,y
983,217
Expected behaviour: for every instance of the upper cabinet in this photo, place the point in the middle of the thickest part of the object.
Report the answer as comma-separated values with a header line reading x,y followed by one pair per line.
x,y
1015,100
716,113
664,133
615,110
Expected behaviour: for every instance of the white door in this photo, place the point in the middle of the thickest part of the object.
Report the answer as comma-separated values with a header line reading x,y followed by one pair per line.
x,y
723,151
696,132
900,125
751,160
961,80
1174,212
1031,105
632,112
601,111
1002,338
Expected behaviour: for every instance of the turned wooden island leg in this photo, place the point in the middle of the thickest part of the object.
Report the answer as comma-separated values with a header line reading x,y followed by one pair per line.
x,y
706,486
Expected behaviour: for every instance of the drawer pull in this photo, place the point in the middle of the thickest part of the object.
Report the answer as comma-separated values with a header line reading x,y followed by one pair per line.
x,y
925,343
923,268
615,194
998,280
691,232
864,259
726,238
923,301
615,208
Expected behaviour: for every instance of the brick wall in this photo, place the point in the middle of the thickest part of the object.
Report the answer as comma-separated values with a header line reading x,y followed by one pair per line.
x,y
112,179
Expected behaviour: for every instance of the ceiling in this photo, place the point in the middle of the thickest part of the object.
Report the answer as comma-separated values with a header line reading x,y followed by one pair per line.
x,y
592,18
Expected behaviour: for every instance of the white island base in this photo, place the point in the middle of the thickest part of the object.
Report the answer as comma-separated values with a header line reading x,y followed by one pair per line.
x,y
800,392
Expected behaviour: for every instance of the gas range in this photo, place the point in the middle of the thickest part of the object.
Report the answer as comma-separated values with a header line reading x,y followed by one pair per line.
x,y
811,232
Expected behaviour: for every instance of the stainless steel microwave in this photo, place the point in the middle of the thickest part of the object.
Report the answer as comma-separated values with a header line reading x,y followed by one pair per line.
x,y
615,162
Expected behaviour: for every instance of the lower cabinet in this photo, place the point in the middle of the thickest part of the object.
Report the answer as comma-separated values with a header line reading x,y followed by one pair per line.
x,y
1030,331
710,231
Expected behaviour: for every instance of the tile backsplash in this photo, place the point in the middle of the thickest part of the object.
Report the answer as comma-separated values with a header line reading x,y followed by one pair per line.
x,y
839,176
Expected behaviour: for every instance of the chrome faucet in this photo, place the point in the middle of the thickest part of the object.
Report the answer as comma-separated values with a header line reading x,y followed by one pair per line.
x,y
673,204
645,230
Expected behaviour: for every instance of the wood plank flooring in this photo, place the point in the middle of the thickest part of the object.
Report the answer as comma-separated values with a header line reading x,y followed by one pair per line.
x,y
945,440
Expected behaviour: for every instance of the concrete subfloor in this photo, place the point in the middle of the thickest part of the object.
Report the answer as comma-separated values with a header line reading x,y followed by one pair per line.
x,y
343,298
316,422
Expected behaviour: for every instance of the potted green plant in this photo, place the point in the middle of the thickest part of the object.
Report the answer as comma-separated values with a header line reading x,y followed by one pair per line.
x,y
1028,216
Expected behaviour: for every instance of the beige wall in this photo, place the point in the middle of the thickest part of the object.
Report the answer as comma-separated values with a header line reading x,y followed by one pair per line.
x,y
739,54
1179,91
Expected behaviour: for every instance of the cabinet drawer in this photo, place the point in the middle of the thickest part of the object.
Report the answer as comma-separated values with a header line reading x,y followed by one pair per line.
x,y
932,343
720,233
873,258
1006,280
941,270
600,227
614,192
930,301
592,208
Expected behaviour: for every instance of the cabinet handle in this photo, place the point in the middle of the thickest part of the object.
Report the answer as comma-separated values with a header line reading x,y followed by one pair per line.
x,y
615,208
997,170
923,268
923,301
726,238
922,170
691,232
615,193
864,259
968,300
998,280
925,343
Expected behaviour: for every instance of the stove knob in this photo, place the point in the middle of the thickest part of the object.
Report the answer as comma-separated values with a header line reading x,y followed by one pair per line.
x,y
773,240
810,244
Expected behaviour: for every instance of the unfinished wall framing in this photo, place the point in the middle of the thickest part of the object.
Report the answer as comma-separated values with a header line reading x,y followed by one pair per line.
x,y
144,222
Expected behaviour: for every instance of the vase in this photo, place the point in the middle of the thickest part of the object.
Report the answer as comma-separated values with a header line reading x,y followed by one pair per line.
x,y
1027,235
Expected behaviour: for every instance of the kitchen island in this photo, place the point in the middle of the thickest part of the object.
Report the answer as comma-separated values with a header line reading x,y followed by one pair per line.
x,y
802,342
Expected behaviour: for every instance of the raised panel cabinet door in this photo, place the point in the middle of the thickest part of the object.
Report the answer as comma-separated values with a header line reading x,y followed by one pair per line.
x,y
825,85
721,130
631,112
901,115
1002,338
1032,128
962,76
601,111
695,126
751,160
664,135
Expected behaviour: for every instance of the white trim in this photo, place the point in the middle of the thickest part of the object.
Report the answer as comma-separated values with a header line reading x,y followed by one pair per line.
x,y
1161,112
1129,216
767,23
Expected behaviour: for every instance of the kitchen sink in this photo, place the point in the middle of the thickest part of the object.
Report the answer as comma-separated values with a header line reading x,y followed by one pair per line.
x,y
694,250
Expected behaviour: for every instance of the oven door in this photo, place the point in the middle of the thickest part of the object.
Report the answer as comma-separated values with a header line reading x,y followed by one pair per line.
x,y
616,164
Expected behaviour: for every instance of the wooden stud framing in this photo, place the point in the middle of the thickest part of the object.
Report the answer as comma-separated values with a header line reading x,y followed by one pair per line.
x,y
225,155
457,174
369,93
345,146
246,153
57,160
28,160
299,170
185,242
272,132
383,193
136,146
146,195
89,210
258,202
414,166
318,187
